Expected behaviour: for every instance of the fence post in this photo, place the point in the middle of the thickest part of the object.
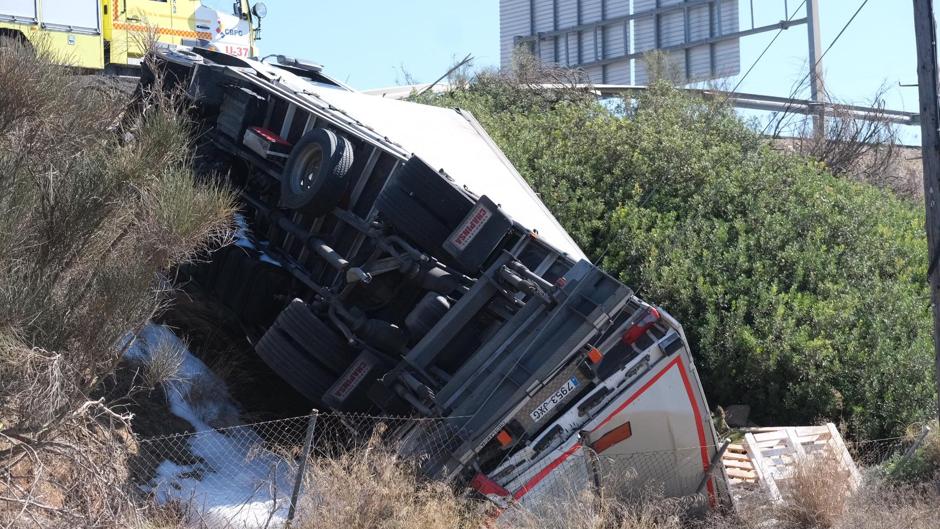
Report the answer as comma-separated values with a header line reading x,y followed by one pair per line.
x,y
712,465
919,441
302,465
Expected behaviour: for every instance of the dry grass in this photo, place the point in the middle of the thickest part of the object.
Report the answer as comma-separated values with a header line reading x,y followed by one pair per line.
x,y
647,510
92,219
815,495
373,488
883,506
166,516
818,497
163,363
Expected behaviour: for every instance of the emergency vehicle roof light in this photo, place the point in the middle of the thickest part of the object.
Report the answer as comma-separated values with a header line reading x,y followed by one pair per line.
x,y
303,64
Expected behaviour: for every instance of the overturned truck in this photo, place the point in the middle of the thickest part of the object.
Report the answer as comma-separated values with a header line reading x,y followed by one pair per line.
x,y
392,260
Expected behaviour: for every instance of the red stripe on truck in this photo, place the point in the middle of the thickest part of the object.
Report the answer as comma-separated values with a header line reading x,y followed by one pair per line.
x,y
712,500
545,471
699,426
655,379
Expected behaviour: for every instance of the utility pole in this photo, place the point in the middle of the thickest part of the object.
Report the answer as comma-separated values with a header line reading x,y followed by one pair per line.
x,y
925,32
817,91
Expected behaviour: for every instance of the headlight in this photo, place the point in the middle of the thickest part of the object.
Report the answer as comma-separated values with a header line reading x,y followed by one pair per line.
x,y
260,10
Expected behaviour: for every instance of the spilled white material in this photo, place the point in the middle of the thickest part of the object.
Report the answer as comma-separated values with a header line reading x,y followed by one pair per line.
x,y
242,233
230,479
244,239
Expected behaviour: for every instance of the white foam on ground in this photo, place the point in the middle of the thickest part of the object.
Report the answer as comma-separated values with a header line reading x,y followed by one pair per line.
x,y
244,239
242,233
235,482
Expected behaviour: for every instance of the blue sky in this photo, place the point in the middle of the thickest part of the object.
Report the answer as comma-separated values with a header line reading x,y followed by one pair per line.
x,y
367,43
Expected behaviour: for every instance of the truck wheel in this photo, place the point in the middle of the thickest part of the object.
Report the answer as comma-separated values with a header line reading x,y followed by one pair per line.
x,y
313,338
411,219
317,337
292,364
304,351
422,205
317,172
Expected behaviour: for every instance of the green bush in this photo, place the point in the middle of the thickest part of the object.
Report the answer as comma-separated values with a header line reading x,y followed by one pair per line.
x,y
921,465
803,295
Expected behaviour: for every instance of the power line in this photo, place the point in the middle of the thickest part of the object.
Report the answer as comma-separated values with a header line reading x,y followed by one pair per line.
x,y
771,43
831,44
813,67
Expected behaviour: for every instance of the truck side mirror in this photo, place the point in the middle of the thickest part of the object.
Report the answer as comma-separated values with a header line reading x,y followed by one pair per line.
x,y
260,11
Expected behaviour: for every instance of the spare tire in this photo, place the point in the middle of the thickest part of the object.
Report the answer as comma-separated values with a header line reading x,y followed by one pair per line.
x,y
317,172
434,191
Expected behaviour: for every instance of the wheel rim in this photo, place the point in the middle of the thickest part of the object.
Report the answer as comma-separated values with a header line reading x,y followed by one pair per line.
x,y
308,167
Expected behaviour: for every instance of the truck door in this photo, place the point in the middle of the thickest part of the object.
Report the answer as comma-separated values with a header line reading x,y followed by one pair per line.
x,y
143,20
193,27
73,30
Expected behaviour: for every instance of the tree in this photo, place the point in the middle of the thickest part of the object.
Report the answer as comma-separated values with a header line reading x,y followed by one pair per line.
x,y
802,293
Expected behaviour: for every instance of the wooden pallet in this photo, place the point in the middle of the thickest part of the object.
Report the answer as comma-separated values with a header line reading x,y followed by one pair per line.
x,y
767,457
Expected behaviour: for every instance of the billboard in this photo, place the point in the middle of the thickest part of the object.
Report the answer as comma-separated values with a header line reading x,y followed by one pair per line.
x,y
608,38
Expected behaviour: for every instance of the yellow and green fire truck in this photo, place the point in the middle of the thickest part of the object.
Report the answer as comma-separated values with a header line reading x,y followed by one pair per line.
x,y
102,33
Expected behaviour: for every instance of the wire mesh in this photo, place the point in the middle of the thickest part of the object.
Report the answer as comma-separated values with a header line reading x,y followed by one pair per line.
x,y
878,451
245,475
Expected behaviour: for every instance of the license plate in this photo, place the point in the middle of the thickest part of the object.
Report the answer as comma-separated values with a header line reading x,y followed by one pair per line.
x,y
566,389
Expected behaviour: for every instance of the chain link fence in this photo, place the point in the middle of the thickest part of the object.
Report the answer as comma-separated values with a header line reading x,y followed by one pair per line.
x,y
870,454
253,475
243,473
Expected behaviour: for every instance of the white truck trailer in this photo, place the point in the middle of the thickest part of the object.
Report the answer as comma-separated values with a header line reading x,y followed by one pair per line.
x,y
399,264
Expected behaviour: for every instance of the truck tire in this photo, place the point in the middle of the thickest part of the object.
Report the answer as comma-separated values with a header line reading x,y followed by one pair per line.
x,y
317,172
411,219
304,351
293,366
317,337
434,191
314,338
422,205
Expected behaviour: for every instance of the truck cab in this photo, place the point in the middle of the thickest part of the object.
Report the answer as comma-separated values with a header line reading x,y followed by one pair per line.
x,y
99,34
